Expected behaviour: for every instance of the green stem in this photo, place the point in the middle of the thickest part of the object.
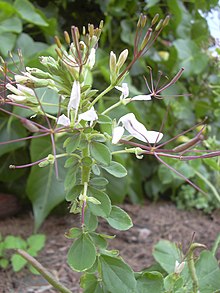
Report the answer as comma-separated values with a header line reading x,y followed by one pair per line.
x,y
110,87
212,187
191,265
43,271
112,107
216,245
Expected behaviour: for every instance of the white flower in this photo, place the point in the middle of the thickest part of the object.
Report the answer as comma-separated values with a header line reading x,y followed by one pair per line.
x,y
74,97
125,93
124,90
179,267
89,115
136,129
91,59
63,120
20,93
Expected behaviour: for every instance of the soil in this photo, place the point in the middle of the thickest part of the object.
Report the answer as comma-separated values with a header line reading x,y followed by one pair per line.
x,y
152,222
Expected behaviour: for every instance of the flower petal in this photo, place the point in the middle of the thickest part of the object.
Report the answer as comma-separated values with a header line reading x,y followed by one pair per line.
x,y
25,89
89,115
117,133
63,120
124,90
154,136
74,97
141,98
138,130
133,126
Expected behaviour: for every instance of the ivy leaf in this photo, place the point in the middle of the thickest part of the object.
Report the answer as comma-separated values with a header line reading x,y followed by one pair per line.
x,y
82,254
119,219
117,276
115,169
100,153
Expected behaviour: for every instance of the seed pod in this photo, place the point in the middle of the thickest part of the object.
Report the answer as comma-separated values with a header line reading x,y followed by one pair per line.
x,y
67,37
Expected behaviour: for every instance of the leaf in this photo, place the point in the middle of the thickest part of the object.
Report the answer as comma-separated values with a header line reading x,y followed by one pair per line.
x,y
82,254
91,221
4,263
12,24
117,276
150,282
28,12
11,129
14,242
7,41
119,219
72,142
100,153
166,254
36,242
103,209
73,233
90,284
208,272
18,262
98,182
28,47
43,188
115,169
193,60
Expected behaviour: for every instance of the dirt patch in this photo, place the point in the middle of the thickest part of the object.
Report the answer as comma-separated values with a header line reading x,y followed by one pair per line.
x,y
152,222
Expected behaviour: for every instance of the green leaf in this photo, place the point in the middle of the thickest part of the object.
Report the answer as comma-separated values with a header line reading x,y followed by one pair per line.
x,y
4,263
73,193
193,60
100,153
208,272
98,182
30,48
91,221
43,188
36,242
72,142
166,254
119,219
117,276
18,262
103,209
90,284
11,129
99,240
12,24
115,169
82,254
14,242
150,282
7,41
28,12
71,162
6,10
73,233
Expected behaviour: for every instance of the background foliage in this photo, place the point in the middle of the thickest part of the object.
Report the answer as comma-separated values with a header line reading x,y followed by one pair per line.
x,y
185,42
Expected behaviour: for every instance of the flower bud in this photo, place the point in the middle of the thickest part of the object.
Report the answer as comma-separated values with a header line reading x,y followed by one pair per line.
x,y
155,19
159,25
37,73
112,62
67,37
166,20
29,125
143,21
146,39
121,59
57,41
